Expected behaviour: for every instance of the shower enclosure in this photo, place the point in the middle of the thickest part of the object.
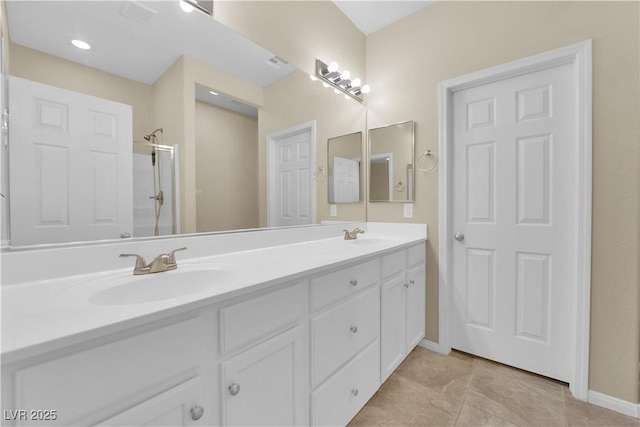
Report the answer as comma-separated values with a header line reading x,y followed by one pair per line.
x,y
155,188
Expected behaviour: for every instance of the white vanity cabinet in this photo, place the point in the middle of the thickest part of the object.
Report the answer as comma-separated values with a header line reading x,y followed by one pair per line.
x,y
402,306
344,341
304,349
263,371
155,377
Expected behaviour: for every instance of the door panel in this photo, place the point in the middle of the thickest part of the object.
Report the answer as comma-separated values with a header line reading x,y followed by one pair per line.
x,y
415,306
394,325
511,191
293,177
72,158
262,386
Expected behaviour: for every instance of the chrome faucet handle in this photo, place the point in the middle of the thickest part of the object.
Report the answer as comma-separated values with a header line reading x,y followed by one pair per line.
x,y
172,257
358,231
140,262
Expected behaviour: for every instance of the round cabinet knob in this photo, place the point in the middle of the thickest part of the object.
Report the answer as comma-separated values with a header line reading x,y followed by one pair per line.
x,y
354,329
354,391
234,389
196,412
459,237
353,282
406,285
412,282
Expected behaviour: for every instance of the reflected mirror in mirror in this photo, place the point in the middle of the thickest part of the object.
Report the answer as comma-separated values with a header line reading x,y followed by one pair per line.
x,y
344,157
391,163
133,64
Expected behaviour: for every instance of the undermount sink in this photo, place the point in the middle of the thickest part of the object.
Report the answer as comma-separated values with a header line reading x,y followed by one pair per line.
x,y
160,286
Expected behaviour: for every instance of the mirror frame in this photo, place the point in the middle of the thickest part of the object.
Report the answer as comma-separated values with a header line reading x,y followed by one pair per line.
x,y
413,160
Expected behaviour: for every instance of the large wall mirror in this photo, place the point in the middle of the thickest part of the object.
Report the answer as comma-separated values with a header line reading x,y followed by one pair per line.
x,y
167,138
391,163
344,175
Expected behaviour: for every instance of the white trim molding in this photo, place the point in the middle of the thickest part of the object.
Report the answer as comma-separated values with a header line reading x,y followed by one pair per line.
x,y
272,138
429,345
615,404
580,57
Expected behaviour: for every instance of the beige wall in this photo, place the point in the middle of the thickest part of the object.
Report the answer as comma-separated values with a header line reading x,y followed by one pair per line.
x,y
54,71
295,100
298,31
405,62
168,114
226,169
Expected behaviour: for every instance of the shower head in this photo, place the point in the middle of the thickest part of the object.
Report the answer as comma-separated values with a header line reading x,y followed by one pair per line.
x,y
153,134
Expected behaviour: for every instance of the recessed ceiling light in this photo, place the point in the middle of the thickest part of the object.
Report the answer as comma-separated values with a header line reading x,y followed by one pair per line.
x,y
186,6
213,93
81,45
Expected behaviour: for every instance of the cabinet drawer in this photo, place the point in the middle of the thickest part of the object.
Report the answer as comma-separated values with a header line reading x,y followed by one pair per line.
x,y
393,263
338,400
415,254
342,283
94,384
338,334
260,317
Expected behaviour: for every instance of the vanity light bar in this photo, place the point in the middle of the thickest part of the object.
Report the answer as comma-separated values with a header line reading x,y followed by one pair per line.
x,y
340,80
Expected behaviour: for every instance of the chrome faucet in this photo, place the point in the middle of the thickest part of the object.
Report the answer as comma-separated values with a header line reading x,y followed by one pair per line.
x,y
163,262
352,235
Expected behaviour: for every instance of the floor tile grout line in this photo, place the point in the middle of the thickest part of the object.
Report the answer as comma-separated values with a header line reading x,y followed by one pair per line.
x,y
564,407
466,392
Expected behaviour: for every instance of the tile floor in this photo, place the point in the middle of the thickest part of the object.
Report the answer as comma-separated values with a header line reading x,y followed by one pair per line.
x,y
429,389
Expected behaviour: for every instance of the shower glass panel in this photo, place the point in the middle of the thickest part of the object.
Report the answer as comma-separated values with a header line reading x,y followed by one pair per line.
x,y
155,202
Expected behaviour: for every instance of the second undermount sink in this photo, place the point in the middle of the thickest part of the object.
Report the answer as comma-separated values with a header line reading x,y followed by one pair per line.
x,y
160,286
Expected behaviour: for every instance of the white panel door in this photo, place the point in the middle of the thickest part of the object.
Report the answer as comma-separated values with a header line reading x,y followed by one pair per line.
x,y
346,180
70,165
293,180
512,196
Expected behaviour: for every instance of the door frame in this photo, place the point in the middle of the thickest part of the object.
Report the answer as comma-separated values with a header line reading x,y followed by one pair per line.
x,y
579,56
272,140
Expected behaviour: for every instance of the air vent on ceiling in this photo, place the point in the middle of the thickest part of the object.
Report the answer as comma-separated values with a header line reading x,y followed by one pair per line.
x,y
276,62
137,11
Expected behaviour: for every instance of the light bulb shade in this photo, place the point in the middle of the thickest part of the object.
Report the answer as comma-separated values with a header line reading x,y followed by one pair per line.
x,y
186,6
314,78
333,67
81,44
356,82
345,75
365,89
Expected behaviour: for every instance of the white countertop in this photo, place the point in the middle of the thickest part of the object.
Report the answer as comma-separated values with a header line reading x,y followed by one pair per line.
x,y
45,315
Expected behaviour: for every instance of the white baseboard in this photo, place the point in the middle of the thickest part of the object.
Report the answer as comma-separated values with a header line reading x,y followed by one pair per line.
x,y
429,345
615,404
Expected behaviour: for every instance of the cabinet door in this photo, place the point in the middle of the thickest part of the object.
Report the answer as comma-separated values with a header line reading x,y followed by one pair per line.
x,y
393,325
179,406
415,306
266,385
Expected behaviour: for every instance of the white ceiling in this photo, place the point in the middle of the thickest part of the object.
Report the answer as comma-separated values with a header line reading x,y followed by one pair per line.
x,y
140,40
371,15
132,48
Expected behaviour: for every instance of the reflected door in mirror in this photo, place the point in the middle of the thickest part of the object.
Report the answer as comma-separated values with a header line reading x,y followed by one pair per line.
x,y
71,172
344,154
391,159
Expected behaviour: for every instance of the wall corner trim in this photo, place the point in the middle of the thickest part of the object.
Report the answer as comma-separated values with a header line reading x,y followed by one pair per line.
x,y
615,404
429,345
